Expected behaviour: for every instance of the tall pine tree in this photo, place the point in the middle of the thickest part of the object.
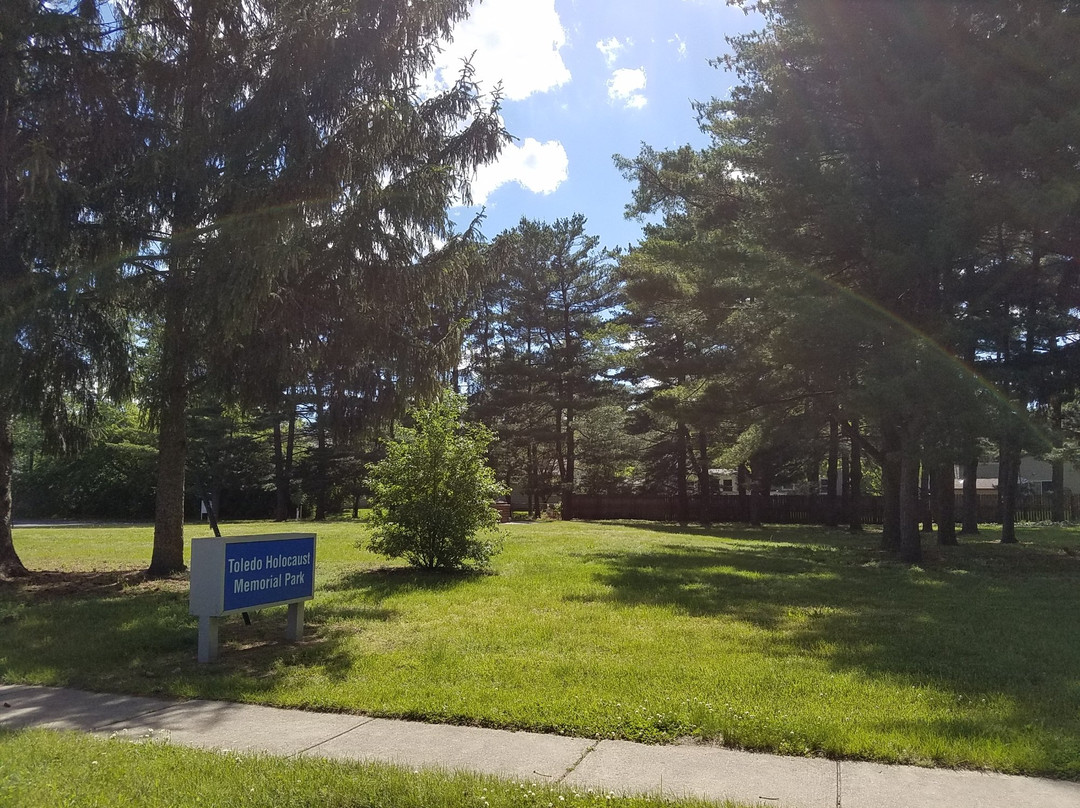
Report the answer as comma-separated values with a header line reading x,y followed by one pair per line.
x,y
63,129
288,139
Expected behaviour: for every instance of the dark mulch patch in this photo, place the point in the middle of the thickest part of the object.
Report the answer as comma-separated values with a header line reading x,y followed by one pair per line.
x,y
50,584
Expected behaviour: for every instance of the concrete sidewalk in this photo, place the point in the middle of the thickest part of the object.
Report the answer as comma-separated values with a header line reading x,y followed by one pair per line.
x,y
619,766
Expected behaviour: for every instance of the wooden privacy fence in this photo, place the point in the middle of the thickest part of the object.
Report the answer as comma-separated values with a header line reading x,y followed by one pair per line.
x,y
792,509
777,508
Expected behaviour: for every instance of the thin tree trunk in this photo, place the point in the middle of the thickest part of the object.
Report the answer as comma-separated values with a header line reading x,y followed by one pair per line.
x,y
682,496
764,491
855,523
283,465
566,390
322,467
910,538
1009,470
290,450
1057,466
740,485
11,565
1004,461
534,480
704,480
943,489
754,501
845,489
890,490
924,501
832,510
568,479
281,485
969,525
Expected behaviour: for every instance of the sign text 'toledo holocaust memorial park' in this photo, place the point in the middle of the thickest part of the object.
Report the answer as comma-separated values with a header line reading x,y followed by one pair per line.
x,y
234,574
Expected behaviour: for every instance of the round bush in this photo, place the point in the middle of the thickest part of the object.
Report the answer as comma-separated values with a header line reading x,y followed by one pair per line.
x,y
432,493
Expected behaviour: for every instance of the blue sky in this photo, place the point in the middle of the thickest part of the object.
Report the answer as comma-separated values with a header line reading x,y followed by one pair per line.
x,y
583,80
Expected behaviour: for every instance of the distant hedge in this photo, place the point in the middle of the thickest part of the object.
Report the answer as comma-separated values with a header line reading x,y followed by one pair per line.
x,y
107,481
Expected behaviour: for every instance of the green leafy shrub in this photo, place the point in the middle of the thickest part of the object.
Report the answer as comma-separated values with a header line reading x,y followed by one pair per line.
x,y
432,493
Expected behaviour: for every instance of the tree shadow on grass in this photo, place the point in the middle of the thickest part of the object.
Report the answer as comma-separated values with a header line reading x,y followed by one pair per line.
x,y
117,631
754,584
981,619
379,583
805,534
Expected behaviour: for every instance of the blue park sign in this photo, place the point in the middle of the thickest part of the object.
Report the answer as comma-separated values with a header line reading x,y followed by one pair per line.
x,y
262,573
233,574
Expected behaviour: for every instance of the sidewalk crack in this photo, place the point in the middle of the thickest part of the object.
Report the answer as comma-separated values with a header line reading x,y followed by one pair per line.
x,y
576,763
331,738
839,782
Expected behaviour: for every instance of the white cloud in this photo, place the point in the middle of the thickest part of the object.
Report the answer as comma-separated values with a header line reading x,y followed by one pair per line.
x,y
535,166
627,86
516,42
680,46
611,48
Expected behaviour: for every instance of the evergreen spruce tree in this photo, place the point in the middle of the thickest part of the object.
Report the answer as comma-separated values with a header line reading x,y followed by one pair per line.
x,y
289,145
63,129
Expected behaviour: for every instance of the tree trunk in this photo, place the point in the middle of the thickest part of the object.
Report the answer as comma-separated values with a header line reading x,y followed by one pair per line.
x,y
534,480
1057,496
764,492
925,507
283,463
281,486
969,524
740,485
567,506
11,565
754,502
890,490
1009,470
704,480
682,496
943,490
855,524
832,510
910,537
845,489
168,553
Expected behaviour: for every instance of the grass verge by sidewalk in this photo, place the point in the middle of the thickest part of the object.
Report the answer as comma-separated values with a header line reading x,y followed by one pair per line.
x,y
795,640
43,769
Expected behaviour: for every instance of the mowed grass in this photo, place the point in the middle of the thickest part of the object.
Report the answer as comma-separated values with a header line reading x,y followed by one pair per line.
x,y
42,769
795,640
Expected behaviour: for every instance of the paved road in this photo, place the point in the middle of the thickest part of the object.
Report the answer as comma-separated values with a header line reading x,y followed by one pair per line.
x,y
619,766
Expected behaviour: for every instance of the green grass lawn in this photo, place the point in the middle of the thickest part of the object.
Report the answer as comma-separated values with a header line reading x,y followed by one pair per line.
x,y
797,640
41,769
